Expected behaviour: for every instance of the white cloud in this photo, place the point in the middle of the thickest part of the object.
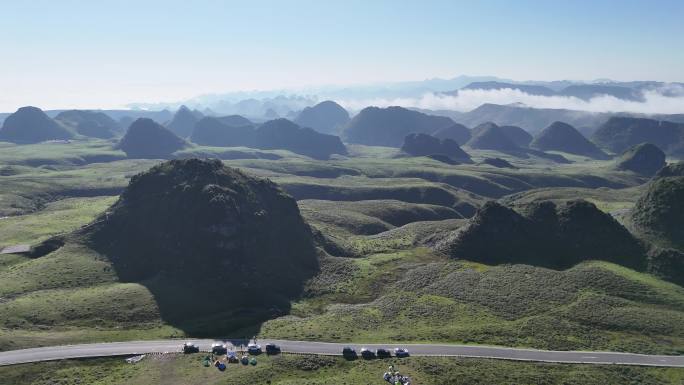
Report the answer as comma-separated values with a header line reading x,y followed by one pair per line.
x,y
660,101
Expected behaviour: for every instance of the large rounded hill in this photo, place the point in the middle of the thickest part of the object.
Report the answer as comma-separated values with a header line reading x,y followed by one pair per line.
x,y
327,117
489,136
563,137
32,125
189,228
659,212
644,159
389,126
192,217
90,123
183,122
147,139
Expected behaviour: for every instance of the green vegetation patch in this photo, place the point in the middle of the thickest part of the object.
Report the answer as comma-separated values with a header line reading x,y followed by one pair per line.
x,y
57,217
595,305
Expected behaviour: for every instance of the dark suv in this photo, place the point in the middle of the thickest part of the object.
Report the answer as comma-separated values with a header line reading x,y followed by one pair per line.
x,y
189,347
367,354
218,348
349,353
272,349
383,353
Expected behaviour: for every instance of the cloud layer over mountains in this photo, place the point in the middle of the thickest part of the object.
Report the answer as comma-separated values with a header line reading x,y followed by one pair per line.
x,y
664,100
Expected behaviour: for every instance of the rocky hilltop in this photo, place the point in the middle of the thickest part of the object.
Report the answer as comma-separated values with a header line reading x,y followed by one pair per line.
x,y
200,220
544,234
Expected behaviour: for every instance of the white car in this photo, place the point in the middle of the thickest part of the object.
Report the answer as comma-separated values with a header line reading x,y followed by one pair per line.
x,y
254,349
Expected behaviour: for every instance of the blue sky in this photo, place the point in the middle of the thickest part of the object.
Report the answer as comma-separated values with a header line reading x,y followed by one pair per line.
x,y
58,54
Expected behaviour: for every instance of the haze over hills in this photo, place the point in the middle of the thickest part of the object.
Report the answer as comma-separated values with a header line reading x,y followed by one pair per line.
x,y
526,88
284,101
388,126
95,124
326,117
456,132
183,122
282,133
211,131
582,91
489,136
620,133
235,120
534,119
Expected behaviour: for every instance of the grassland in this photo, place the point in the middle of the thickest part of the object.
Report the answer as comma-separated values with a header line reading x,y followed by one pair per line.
x,y
56,217
312,370
416,296
377,283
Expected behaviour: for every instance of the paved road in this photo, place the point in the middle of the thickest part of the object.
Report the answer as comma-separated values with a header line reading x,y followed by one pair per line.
x,y
142,347
15,249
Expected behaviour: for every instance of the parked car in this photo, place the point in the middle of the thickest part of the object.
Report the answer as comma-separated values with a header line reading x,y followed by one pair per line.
x,y
349,353
190,347
367,354
254,349
218,348
383,353
272,349
401,352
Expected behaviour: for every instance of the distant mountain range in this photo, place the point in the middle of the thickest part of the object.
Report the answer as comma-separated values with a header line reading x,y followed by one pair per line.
x,y
288,102
581,91
536,119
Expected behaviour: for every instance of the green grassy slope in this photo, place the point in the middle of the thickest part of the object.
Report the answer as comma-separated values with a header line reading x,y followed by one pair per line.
x,y
416,296
56,218
391,290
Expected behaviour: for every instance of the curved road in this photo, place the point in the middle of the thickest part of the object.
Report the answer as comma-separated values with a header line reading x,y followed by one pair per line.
x,y
167,346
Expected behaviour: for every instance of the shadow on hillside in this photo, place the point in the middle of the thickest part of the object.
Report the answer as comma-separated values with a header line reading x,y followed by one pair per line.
x,y
210,303
216,309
